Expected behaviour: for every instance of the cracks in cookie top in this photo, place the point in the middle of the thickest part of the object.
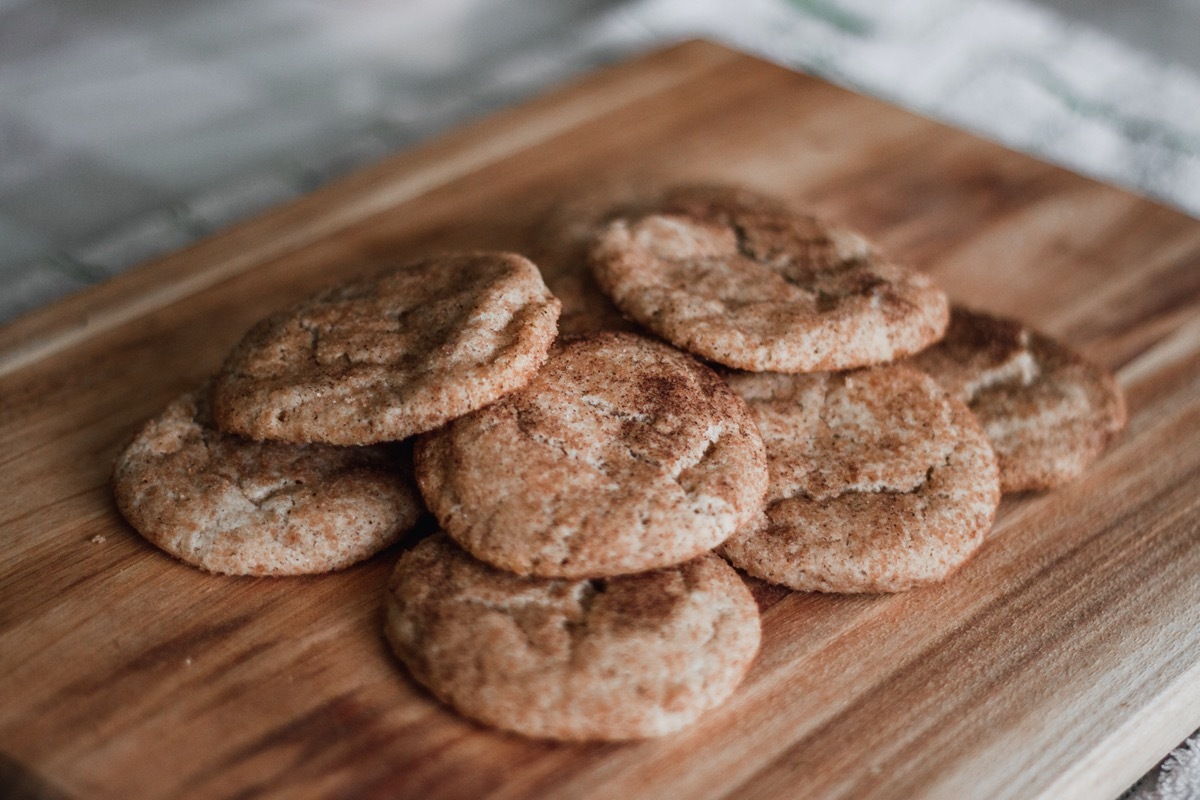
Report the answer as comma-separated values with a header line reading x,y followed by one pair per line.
x,y
1022,370
611,409
599,658
392,355
658,419
629,455
872,431
750,283
527,423
542,608
885,537
238,506
801,248
1047,410
981,354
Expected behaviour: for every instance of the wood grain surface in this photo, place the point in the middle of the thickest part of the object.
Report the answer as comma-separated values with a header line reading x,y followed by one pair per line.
x,y
1063,661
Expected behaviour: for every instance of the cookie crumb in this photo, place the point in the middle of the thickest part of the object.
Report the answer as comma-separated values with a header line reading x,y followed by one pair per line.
x,y
99,538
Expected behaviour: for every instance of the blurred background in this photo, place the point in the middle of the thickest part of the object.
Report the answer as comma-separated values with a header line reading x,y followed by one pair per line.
x,y
130,128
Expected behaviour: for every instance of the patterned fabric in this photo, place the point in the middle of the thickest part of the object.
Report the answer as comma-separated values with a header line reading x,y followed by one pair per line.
x,y
129,129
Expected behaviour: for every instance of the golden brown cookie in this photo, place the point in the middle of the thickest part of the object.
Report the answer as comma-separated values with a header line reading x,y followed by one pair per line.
x,y
1048,411
879,481
385,358
620,658
560,249
230,505
574,223
621,455
745,281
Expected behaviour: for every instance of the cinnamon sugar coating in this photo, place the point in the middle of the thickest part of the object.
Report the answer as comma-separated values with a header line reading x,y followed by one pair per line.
x,y
745,281
1048,411
623,658
879,481
391,356
239,507
621,455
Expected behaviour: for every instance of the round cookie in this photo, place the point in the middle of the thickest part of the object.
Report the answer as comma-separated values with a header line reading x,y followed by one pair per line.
x,y
574,223
238,507
560,249
621,455
747,282
1048,411
388,357
623,658
879,481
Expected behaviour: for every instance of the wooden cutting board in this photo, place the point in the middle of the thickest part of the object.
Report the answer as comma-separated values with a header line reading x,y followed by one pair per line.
x,y
1063,661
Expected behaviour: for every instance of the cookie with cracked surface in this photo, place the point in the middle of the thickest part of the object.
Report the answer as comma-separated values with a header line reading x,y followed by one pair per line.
x,y
879,481
746,281
239,507
621,455
1048,411
629,657
391,356
575,221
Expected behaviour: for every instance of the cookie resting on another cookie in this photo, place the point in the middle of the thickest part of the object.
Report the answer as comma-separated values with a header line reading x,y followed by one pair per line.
x,y
879,481
234,506
621,455
623,658
1048,411
560,249
747,282
385,358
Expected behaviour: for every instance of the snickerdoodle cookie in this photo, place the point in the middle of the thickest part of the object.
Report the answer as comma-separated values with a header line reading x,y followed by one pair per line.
x,y
620,658
621,455
560,249
234,506
394,355
748,282
1048,411
879,481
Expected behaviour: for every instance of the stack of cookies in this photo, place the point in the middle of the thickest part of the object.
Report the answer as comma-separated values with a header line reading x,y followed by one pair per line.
x,y
591,499
295,461
892,421
744,385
